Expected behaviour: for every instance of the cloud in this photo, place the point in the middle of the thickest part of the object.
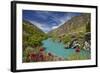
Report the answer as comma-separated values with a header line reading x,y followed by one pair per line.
x,y
36,24
44,28
47,20
54,27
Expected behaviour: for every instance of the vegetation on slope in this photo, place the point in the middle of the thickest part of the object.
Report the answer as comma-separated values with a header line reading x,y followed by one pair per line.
x,y
30,34
32,38
78,28
75,28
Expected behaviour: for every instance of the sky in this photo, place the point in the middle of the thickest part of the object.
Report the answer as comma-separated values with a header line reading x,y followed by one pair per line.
x,y
47,20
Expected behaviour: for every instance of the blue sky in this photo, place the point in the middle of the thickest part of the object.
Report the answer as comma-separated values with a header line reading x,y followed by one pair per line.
x,y
47,20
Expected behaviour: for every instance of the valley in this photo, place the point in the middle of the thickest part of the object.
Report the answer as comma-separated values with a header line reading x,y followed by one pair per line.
x,y
70,41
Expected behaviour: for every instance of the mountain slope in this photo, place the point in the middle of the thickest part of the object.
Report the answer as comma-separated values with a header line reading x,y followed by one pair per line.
x,y
75,28
73,25
32,35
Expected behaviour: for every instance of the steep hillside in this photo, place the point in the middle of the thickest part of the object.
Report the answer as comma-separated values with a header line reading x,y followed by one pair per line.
x,y
75,28
32,36
76,24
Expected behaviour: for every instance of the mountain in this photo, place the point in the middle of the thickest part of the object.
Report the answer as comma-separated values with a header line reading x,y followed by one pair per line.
x,y
73,25
76,27
32,35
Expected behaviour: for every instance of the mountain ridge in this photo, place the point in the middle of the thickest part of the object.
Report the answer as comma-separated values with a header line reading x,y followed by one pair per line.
x,y
73,23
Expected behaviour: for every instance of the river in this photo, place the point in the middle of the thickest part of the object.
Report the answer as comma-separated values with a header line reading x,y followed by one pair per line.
x,y
57,48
